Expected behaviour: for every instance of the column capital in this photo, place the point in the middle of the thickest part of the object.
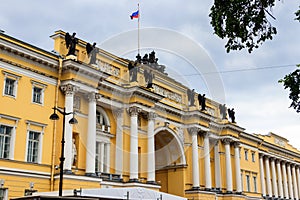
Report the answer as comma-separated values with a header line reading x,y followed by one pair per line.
x,y
272,159
236,144
151,115
92,96
118,112
193,130
206,134
134,111
69,89
278,161
226,140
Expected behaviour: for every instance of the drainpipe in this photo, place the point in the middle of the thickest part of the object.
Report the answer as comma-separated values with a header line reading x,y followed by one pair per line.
x,y
55,125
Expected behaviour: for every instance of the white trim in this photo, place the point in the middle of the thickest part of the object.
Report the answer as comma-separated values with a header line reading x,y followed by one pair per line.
x,y
13,77
28,73
24,172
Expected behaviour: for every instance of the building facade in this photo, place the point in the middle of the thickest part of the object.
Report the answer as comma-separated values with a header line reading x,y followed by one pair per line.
x,y
137,127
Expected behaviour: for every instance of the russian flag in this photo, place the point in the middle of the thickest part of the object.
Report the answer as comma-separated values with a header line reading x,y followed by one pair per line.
x,y
134,15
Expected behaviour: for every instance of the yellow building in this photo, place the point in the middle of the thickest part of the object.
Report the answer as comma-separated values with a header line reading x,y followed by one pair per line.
x,y
133,130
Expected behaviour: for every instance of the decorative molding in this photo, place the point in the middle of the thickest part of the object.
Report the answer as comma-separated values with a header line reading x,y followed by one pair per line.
x,y
134,111
92,96
69,89
167,93
108,68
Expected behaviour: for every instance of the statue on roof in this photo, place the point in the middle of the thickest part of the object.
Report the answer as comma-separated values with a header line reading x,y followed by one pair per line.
x,y
148,78
92,51
145,59
71,42
152,58
133,69
138,58
222,109
231,114
202,101
191,97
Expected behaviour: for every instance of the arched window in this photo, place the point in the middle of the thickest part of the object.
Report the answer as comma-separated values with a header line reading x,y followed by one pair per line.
x,y
102,120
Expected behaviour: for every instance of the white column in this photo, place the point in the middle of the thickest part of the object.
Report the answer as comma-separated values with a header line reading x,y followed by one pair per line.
x,y
274,179
237,167
69,91
298,178
207,162
151,148
217,167
101,168
228,165
107,163
268,177
91,135
119,143
262,175
280,187
195,157
288,168
134,165
285,185
295,182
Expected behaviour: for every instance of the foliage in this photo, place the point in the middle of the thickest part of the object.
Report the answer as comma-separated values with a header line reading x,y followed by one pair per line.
x,y
243,22
291,81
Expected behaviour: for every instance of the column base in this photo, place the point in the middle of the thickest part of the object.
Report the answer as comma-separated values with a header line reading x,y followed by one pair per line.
x,y
208,189
229,192
152,182
195,188
68,171
91,174
238,193
133,180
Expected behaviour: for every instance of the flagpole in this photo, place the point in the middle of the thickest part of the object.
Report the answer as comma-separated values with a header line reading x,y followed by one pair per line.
x,y
139,16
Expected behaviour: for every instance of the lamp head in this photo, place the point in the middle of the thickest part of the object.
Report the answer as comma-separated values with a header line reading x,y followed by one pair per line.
x,y
54,116
73,121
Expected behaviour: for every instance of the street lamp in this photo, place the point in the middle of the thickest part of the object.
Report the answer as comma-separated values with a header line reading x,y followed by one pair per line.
x,y
54,116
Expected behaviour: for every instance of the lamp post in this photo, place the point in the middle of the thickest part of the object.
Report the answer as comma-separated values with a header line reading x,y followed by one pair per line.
x,y
54,116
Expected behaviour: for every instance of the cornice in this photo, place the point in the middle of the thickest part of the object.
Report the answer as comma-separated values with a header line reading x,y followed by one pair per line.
x,y
45,58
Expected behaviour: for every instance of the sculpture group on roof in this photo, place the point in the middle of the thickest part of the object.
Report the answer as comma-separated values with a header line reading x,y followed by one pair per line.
x,y
71,42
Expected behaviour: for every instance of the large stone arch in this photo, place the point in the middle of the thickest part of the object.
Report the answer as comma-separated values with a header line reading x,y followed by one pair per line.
x,y
169,149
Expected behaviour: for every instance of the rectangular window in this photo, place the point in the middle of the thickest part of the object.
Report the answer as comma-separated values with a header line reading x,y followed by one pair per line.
x,y
246,154
5,136
253,156
33,147
97,159
37,95
3,193
9,87
254,184
248,183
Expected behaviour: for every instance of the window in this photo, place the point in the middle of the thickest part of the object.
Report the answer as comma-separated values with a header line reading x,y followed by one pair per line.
x,y
254,183
3,194
10,84
9,87
37,95
246,154
5,137
38,92
253,156
100,118
248,183
102,157
33,147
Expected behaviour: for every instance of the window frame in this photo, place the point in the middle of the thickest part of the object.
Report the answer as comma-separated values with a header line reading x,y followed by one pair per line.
x,y
5,135
40,144
248,183
13,77
5,193
255,183
42,88
246,154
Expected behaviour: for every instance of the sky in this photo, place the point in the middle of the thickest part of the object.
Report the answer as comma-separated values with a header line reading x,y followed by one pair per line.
x,y
183,39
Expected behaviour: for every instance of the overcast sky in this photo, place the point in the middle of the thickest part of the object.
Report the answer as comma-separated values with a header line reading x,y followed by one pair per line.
x,y
248,82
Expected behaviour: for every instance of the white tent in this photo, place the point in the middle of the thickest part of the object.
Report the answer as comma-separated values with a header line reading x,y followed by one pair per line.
x,y
135,193
132,193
